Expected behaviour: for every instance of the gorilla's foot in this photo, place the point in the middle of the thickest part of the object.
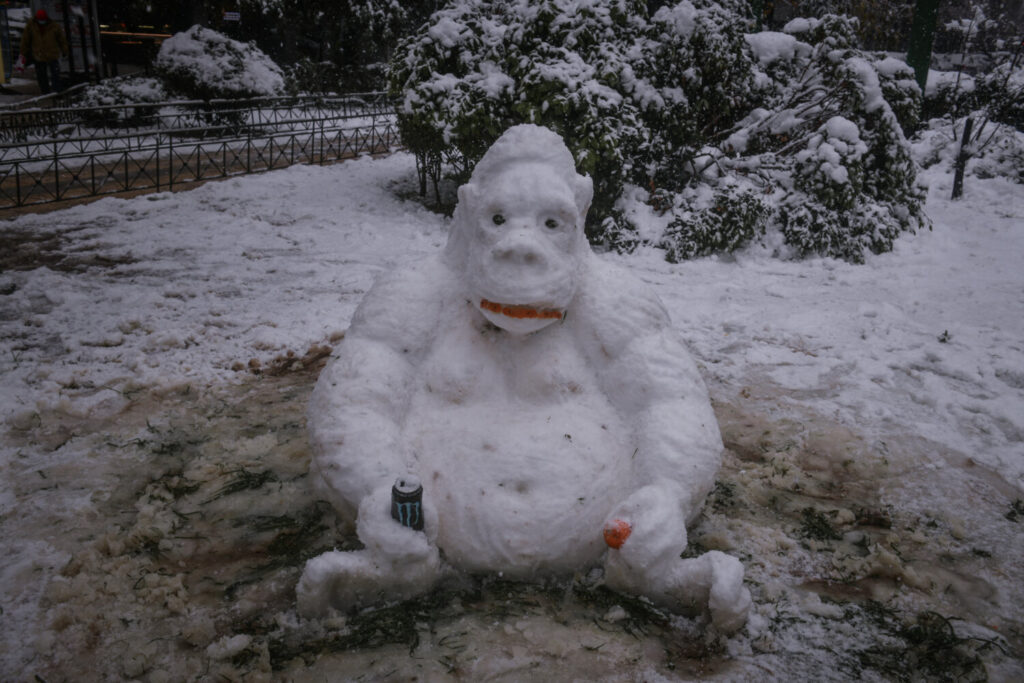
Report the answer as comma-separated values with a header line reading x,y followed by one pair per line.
x,y
728,599
712,582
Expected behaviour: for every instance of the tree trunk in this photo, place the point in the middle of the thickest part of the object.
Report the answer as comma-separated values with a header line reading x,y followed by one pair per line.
x,y
922,35
757,8
961,159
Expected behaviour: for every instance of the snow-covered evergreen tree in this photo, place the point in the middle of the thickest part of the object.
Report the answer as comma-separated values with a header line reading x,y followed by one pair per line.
x,y
733,133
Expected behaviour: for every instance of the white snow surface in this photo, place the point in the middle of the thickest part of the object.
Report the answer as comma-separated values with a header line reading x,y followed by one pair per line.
x,y
171,290
938,80
771,46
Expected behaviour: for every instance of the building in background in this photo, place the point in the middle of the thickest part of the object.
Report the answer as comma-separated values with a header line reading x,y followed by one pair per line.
x,y
78,18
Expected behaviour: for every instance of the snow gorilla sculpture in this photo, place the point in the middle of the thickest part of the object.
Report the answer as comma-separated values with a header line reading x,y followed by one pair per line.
x,y
540,396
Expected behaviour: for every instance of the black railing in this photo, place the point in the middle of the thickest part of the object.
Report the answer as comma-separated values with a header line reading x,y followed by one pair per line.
x,y
170,144
33,124
62,99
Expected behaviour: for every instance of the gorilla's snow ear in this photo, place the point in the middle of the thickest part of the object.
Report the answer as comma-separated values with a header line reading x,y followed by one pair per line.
x,y
584,191
467,195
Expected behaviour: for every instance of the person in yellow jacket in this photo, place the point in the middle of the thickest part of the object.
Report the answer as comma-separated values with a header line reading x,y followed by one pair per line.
x,y
44,43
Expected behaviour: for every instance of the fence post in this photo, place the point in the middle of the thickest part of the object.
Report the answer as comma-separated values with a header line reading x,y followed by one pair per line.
x,y
170,161
56,173
158,161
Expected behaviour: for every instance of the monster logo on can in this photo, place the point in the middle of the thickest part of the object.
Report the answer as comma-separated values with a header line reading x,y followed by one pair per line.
x,y
407,502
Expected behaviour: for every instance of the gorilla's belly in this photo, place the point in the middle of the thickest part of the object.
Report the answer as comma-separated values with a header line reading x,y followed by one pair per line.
x,y
521,488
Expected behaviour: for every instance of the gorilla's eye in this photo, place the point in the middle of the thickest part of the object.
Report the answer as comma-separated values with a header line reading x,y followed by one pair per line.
x,y
551,223
498,219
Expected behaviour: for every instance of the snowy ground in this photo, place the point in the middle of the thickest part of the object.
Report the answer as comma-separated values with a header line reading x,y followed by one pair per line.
x,y
156,357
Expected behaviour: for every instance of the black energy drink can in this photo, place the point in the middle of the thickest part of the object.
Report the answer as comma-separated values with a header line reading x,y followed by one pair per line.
x,y
407,502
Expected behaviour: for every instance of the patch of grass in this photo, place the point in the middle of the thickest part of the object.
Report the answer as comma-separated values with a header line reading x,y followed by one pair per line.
x,y
816,525
392,624
926,649
641,613
876,518
243,480
723,495
292,545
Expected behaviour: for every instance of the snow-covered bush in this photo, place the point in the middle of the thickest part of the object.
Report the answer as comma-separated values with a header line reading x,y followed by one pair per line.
x,y
825,214
853,187
901,91
483,65
698,79
947,94
632,98
674,102
122,90
203,64
726,220
1002,91
1002,157
984,112
828,138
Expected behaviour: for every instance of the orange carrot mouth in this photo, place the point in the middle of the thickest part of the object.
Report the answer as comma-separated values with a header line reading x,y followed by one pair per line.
x,y
520,312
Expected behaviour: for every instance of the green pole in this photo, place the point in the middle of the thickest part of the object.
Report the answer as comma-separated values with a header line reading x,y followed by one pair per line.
x,y
922,36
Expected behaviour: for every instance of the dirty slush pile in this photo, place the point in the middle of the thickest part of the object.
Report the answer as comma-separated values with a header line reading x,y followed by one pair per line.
x,y
195,516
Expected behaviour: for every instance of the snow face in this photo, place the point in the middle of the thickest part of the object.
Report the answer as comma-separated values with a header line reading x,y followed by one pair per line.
x,y
529,436
519,230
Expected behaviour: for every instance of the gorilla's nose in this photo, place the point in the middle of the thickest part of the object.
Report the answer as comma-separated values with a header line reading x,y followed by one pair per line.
x,y
519,250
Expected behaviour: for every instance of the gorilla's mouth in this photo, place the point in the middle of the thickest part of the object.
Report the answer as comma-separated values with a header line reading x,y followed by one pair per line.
x,y
521,312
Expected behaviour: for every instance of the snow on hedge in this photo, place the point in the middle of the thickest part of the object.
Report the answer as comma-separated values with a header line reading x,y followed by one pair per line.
x,y
722,128
204,63
124,90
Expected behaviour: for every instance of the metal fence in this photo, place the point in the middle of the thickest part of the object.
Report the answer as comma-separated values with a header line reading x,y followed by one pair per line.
x,y
62,154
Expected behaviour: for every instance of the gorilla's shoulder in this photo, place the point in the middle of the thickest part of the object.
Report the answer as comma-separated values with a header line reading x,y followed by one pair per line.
x,y
615,306
405,302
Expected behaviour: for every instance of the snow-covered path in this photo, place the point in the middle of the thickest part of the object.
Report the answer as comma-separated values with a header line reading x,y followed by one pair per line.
x,y
874,414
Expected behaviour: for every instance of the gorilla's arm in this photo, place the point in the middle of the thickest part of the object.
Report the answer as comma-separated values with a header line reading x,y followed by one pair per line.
x,y
649,376
360,398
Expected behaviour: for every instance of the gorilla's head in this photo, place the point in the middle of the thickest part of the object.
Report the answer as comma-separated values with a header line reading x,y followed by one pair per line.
x,y
518,230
